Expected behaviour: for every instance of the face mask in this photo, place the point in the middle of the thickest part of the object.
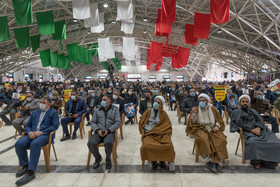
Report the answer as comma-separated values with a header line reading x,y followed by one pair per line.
x,y
73,97
103,104
115,97
180,92
28,99
259,97
277,92
202,104
192,94
109,91
92,94
42,107
50,96
244,107
266,92
129,92
155,106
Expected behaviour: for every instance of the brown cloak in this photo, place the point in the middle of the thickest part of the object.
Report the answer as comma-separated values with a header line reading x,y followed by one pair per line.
x,y
157,144
209,143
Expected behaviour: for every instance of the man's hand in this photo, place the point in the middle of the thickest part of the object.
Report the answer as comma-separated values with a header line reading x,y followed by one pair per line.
x,y
100,133
31,135
195,110
266,114
37,133
215,129
256,131
94,108
70,115
75,115
106,132
87,108
24,108
238,106
19,115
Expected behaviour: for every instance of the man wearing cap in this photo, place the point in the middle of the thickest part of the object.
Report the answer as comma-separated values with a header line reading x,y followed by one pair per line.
x,y
156,130
207,126
262,147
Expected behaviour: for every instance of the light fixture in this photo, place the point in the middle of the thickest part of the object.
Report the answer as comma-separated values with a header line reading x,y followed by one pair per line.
x,y
145,19
145,32
74,20
219,31
113,21
105,5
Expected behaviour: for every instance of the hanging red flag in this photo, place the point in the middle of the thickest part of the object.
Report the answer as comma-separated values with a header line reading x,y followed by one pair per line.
x,y
189,35
180,59
201,25
219,11
162,29
154,54
168,8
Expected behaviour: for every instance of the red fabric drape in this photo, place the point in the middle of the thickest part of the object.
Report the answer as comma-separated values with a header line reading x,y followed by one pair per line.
x,y
154,55
189,35
180,59
169,51
201,25
168,8
219,11
162,29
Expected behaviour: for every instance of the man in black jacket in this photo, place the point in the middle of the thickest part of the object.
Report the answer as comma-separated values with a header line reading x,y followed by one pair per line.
x,y
147,102
189,102
92,102
117,101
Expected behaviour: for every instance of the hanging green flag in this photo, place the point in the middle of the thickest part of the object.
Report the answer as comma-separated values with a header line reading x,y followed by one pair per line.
x,y
60,30
80,54
67,63
87,57
72,50
45,57
60,60
117,63
105,65
45,22
4,29
23,12
35,42
22,37
54,59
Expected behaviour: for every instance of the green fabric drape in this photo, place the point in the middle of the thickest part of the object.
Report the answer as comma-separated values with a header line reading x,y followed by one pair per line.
x,y
54,59
60,60
72,50
23,12
45,57
45,22
60,30
4,29
105,65
117,63
67,63
22,37
35,42
80,54
87,57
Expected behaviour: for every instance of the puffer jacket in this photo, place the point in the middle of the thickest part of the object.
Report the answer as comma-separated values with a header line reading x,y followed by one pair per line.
x,y
109,122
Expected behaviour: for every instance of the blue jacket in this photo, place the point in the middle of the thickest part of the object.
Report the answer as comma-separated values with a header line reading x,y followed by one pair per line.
x,y
50,122
81,107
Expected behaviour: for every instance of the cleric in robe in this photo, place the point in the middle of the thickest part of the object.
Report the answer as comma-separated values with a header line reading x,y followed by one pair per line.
x,y
207,126
262,147
156,129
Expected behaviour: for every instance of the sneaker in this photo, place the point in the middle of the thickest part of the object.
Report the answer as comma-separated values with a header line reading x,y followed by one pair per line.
x,y
108,163
22,171
97,163
74,136
26,179
66,137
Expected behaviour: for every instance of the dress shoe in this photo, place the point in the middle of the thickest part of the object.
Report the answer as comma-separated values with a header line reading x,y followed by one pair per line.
x,y
108,163
154,165
127,122
97,163
218,167
88,124
212,167
74,136
25,179
22,171
162,165
8,124
67,137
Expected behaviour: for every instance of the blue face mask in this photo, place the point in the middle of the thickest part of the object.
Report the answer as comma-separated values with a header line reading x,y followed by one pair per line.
x,y
155,106
192,94
277,92
266,92
202,104
103,104
259,97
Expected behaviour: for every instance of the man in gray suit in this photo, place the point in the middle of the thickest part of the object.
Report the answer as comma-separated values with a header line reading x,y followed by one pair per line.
x,y
29,104
105,121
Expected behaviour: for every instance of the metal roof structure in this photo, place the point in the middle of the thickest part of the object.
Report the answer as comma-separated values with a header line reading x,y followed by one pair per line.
x,y
249,42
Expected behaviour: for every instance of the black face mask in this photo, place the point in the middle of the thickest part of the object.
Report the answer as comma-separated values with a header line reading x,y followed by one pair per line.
x,y
147,98
244,107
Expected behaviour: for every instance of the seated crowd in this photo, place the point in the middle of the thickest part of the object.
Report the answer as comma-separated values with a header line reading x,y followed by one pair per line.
x,y
249,106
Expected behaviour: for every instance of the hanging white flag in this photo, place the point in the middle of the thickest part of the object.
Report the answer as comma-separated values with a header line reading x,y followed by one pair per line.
x,y
100,27
105,49
81,9
125,10
128,48
94,16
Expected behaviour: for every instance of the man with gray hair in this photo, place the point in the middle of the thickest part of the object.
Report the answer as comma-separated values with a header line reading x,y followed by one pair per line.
x,y
262,147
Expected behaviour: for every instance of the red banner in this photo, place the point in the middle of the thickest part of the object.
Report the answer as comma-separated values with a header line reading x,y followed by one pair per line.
x,y
201,25
219,11
181,59
189,35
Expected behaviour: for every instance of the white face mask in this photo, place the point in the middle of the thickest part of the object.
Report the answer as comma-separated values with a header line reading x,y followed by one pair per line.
x,y
115,97
42,106
73,97
28,99
129,92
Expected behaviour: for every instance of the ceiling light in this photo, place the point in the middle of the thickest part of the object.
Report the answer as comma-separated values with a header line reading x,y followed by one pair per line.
x,y
145,19
105,5
74,20
113,22
219,31
145,32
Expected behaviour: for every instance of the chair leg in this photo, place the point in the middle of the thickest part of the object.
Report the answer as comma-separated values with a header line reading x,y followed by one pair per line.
x,y
88,160
243,150
54,152
193,148
237,146
115,156
196,153
47,157
121,131
227,118
81,132
15,135
1,123
70,130
143,163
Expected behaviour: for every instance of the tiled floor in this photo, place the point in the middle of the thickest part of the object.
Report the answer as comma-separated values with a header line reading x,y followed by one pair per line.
x,y
70,169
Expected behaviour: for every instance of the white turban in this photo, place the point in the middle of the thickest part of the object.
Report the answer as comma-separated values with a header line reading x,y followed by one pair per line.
x,y
160,98
244,96
204,96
